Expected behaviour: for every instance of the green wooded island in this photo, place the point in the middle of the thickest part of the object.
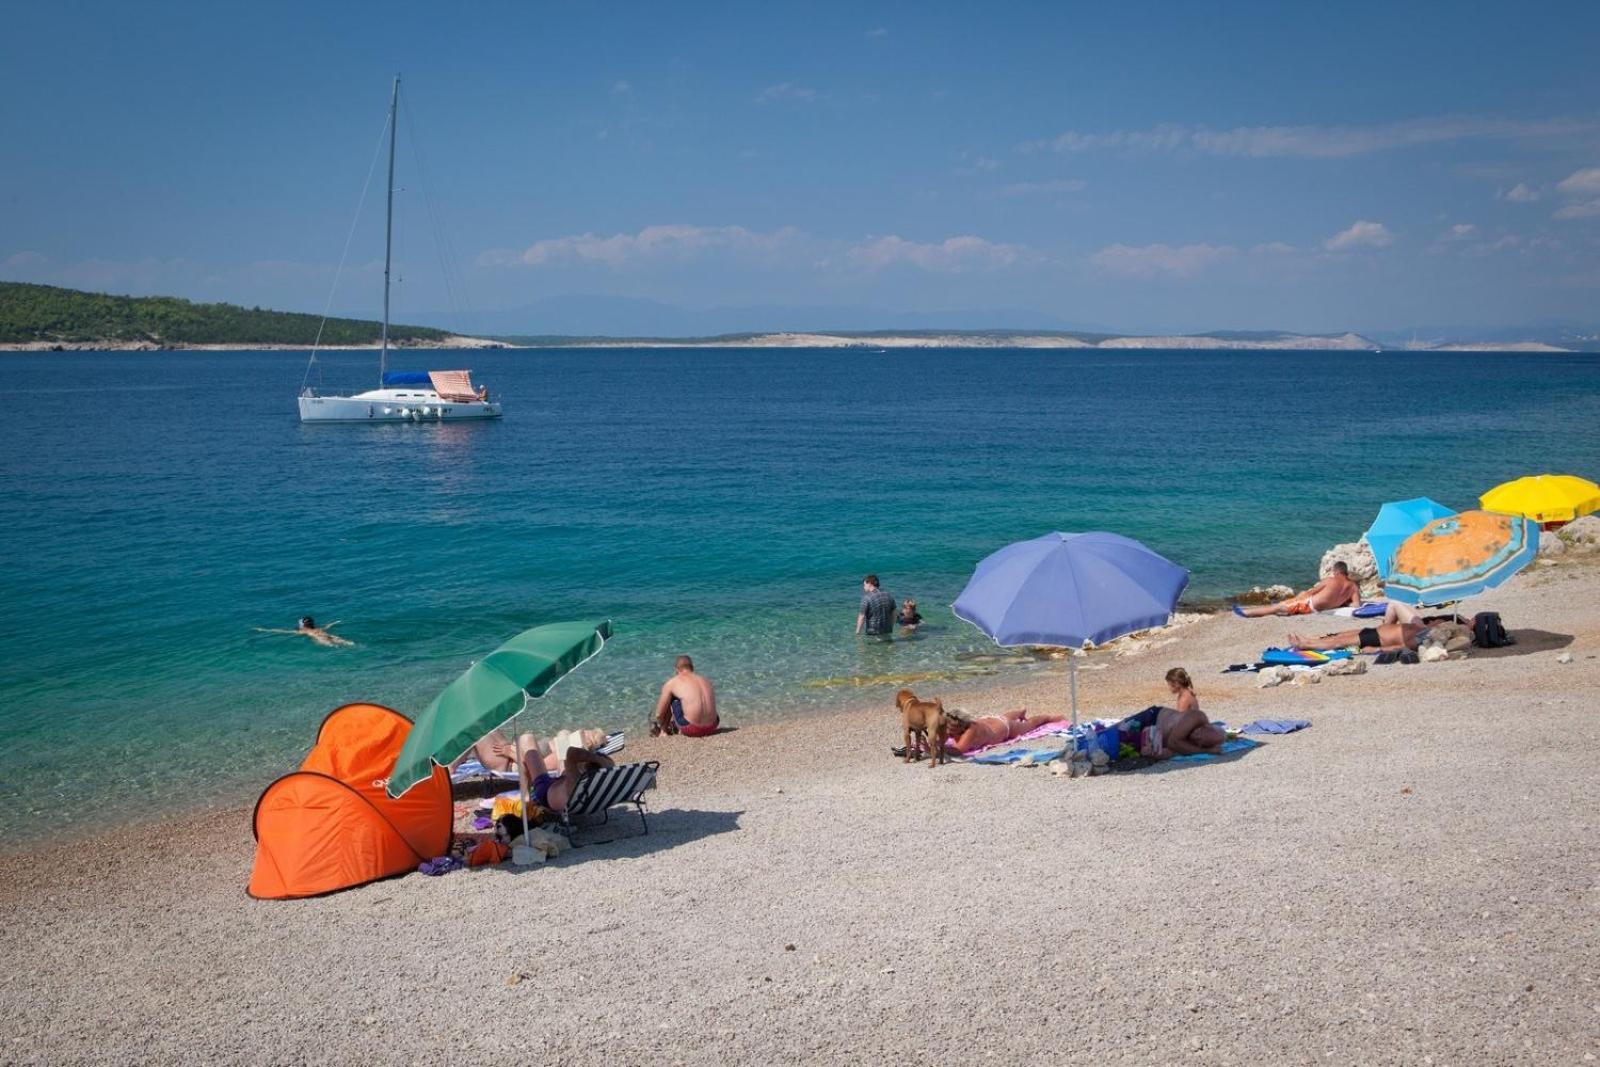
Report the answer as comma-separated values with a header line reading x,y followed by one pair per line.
x,y
46,316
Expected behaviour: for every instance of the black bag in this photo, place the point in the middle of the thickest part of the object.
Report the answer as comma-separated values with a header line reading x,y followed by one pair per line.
x,y
1488,633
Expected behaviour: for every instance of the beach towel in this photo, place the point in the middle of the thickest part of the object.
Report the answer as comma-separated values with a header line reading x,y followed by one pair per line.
x,y
1294,656
1274,726
1232,746
1040,753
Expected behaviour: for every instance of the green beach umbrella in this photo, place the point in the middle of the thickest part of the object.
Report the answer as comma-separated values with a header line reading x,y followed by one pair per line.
x,y
493,690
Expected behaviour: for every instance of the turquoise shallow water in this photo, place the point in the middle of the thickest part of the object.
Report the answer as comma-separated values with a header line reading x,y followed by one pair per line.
x,y
158,506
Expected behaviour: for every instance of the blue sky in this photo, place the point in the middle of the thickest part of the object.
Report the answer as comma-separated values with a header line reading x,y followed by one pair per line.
x,y
1138,167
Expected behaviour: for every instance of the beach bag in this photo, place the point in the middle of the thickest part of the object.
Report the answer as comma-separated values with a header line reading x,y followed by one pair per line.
x,y
1487,632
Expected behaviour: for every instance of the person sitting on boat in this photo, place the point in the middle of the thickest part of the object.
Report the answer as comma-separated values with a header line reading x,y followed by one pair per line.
x,y
1334,591
308,627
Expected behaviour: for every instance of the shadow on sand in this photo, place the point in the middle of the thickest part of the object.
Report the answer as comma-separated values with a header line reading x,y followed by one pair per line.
x,y
1168,766
1529,642
623,835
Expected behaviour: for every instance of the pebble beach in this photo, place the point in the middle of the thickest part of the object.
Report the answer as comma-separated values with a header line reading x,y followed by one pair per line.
x,y
1411,880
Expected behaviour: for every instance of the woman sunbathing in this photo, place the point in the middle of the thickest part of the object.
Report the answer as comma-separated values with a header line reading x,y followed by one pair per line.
x,y
969,735
499,753
1183,730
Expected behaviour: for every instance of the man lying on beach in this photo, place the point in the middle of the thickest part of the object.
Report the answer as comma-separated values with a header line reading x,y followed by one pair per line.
x,y
1334,591
687,705
969,735
1387,637
308,628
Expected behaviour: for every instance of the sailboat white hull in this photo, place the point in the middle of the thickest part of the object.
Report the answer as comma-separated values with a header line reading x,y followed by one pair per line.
x,y
394,405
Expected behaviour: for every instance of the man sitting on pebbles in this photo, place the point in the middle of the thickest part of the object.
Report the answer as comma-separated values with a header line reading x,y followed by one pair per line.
x,y
1334,591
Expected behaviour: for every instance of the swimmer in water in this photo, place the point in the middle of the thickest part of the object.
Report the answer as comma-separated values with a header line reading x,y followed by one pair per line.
x,y
308,628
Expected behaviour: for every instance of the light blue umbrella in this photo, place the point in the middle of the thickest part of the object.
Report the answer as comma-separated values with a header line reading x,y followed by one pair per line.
x,y
1069,589
1397,521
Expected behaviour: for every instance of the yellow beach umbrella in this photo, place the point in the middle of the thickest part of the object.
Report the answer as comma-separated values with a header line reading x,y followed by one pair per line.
x,y
1544,497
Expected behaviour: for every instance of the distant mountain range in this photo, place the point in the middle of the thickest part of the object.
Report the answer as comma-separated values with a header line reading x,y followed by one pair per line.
x,y
44,317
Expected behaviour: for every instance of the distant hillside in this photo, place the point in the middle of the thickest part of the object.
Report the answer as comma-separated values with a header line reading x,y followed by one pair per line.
x,y
44,314
965,339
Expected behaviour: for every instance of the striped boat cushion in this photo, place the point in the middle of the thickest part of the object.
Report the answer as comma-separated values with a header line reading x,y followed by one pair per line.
x,y
453,385
612,785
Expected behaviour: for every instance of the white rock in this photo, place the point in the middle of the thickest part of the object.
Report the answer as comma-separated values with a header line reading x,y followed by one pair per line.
x,y
1582,534
1272,676
1565,657
1550,544
1353,665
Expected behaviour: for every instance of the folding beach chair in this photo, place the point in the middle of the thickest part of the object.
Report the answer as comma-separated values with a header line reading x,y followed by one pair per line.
x,y
606,787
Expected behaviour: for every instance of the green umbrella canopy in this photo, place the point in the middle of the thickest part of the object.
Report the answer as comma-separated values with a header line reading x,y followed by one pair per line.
x,y
491,691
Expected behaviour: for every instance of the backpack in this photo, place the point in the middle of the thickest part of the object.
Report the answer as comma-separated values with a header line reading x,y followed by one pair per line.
x,y
1488,633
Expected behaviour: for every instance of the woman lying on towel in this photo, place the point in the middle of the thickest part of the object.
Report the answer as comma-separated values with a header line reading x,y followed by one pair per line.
x,y
499,753
1180,731
969,735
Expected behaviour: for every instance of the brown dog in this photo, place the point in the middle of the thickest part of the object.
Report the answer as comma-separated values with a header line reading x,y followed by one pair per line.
x,y
925,720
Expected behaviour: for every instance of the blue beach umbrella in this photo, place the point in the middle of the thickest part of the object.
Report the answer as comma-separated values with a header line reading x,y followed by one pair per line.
x,y
1397,521
1070,589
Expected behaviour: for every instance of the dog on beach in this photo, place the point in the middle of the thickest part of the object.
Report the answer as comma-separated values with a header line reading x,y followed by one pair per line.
x,y
927,721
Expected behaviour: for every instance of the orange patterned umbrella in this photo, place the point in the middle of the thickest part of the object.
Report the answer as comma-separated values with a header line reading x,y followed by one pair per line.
x,y
1460,555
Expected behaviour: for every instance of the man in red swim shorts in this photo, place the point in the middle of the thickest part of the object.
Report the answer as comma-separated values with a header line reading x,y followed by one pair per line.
x,y
687,705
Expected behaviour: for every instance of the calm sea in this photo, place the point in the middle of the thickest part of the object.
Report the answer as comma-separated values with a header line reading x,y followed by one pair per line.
x,y
157,507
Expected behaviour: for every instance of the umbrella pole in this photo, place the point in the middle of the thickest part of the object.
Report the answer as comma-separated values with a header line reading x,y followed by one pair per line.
x,y
1072,682
522,781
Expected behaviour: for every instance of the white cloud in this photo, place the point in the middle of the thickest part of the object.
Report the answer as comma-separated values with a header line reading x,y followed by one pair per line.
x,y
1521,193
948,256
1361,234
1583,190
653,243
1314,142
1063,185
1581,209
24,262
787,91
877,31
1459,232
1585,182
1159,260
1272,248
621,88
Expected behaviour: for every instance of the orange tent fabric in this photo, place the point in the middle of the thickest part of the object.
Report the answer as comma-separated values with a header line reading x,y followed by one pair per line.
x,y
331,826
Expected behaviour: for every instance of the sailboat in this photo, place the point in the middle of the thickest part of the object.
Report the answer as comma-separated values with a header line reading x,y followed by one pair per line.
x,y
401,396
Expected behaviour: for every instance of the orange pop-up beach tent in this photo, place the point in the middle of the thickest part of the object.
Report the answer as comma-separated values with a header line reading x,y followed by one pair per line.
x,y
330,825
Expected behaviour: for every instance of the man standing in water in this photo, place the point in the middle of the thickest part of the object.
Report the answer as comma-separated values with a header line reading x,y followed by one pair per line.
x,y
877,609
687,705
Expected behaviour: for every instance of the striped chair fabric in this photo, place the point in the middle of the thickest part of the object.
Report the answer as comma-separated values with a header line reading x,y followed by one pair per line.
x,y
610,786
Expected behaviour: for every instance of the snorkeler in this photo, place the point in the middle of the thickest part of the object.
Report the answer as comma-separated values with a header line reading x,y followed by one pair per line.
x,y
308,628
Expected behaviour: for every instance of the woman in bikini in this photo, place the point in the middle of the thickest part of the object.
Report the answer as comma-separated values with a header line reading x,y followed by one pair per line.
x,y
1183,730
969,735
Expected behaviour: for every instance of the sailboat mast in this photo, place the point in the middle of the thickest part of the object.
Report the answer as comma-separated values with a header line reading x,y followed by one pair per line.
x,y
388,232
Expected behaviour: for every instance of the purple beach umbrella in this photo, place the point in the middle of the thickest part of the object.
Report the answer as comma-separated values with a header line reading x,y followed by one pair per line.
x,y
1068,589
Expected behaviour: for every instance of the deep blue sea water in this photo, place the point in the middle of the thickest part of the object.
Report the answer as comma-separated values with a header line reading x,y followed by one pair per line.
x,y
154,508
